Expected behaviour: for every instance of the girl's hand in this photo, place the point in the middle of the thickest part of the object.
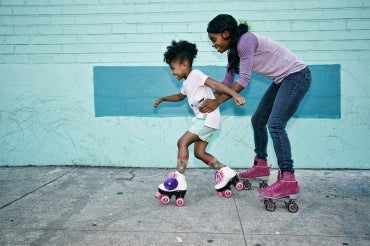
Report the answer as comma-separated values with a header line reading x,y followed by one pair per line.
x,y
239,100
157,102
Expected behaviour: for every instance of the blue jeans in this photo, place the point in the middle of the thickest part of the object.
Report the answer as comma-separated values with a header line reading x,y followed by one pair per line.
x,y
277,106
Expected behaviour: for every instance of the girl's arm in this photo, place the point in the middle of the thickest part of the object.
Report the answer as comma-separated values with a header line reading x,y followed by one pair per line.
x,y
219,87
172,98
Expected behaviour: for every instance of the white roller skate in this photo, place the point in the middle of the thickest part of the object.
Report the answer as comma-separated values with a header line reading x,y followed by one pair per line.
x,y
285,188
225,177
174,185
260,171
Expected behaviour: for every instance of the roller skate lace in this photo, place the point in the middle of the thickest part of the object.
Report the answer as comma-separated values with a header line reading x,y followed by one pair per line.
x,y
256,171
219,176
272,190
172,174
250,173
280,188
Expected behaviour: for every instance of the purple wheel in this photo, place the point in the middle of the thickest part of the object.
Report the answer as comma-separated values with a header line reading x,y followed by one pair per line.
x,y
180,202
220,194
165,199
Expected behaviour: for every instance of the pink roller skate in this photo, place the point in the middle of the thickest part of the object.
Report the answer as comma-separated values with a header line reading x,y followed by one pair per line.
x,y
174,185
259,172
286,188
225,177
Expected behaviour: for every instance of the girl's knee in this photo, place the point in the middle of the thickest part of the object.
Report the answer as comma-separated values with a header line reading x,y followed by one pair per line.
x,y
181,143
200,155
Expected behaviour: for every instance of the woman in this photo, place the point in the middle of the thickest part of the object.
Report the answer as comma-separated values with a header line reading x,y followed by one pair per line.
x,y
247,52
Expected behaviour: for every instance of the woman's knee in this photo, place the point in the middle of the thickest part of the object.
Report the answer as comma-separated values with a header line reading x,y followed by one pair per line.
x,y
257,123
275,126
254,121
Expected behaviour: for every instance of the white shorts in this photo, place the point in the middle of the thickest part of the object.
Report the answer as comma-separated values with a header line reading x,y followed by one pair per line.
x,y
205,133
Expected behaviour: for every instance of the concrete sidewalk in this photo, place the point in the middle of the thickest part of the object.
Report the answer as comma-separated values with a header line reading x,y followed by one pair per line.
x,y
117,206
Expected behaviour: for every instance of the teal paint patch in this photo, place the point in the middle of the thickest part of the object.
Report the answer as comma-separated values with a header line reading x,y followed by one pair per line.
x,y
131,91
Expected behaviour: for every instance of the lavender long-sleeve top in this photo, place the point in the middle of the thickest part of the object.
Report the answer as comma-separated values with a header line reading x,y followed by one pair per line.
x,y
264,56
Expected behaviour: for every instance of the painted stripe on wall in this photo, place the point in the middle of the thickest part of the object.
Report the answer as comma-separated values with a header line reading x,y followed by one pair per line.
x,y
131,91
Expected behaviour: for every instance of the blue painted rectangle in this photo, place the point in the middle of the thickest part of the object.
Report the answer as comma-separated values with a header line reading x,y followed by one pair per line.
x,y
131,91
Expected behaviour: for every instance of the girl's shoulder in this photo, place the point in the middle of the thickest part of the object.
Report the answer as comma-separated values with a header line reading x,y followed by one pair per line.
x,y
197,76
196,72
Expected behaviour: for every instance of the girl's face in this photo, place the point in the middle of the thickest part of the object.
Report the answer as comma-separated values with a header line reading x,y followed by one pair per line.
x,y
220,41
180,69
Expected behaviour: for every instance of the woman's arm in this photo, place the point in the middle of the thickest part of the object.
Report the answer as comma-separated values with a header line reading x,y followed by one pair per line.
x,y
219,87
247,45
211,104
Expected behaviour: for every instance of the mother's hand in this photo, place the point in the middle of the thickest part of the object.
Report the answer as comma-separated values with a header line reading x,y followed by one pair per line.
x,y
208,105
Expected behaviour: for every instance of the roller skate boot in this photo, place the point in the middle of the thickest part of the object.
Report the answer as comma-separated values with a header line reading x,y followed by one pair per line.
x,y
174,185
259,172
225,177
286,188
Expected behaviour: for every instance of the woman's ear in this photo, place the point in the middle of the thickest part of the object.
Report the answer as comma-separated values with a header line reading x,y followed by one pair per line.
x,y
225,34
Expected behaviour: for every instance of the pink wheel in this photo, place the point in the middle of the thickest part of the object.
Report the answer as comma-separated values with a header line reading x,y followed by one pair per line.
x,y
158,195
239,185
228,193
220,194
165,199
180,202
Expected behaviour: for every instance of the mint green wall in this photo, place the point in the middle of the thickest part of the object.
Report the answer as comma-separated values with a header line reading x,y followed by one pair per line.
x,y
48,50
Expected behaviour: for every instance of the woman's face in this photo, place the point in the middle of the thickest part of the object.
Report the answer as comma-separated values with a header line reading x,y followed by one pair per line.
x,y
220,41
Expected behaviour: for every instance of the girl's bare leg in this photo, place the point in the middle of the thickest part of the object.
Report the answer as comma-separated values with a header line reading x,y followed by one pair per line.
x,y
183,150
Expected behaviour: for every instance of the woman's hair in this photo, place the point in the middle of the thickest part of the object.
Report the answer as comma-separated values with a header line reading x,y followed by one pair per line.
x,y
181,50
225,22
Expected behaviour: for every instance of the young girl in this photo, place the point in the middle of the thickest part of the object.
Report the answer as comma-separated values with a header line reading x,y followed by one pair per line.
x,y
197,88
247,52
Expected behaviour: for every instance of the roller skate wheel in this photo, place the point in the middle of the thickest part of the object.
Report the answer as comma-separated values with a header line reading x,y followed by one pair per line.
x,y
286,203
270,206
247,185
292,207
228,193
220,194
165,199
263,185
239,185
180,202
158,195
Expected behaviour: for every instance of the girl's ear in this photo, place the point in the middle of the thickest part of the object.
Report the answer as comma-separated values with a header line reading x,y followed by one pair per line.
x,y
186,63
225,34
